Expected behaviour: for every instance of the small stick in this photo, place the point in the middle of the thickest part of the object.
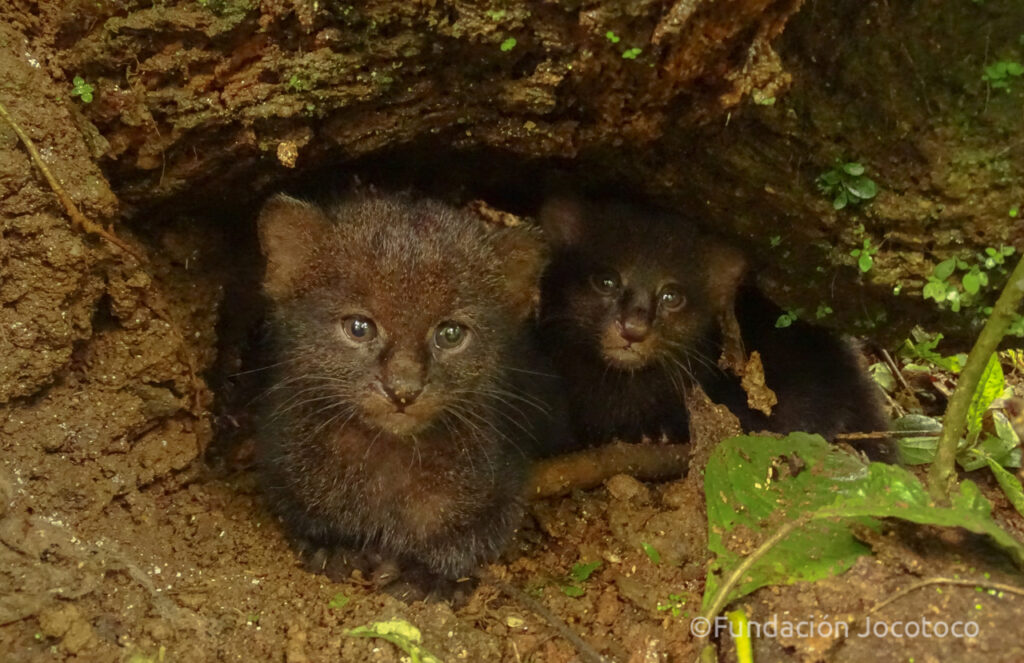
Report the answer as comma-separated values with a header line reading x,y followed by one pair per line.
x,y
78,220
82,223
1003,587
586,652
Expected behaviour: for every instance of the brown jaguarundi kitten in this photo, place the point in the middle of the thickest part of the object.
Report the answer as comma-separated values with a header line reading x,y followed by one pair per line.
x,y
404,399
629,315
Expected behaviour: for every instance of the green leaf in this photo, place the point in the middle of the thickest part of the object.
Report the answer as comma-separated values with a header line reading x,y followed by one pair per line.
x,y
840,201
400,633
573,591
338,601
934,290
508,44
1014,68
917,450
882,376
944,269
853,168
580,572
754,486
990,386
612,37
862,187
971,283
631,53
741,498
829,178
1010,484
651,553
866,262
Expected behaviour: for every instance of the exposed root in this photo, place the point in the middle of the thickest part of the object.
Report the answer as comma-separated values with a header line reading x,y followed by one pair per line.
x,y
591,467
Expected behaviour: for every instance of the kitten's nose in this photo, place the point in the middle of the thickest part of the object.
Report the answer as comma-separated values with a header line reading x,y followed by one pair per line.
x,y
402,394
634,327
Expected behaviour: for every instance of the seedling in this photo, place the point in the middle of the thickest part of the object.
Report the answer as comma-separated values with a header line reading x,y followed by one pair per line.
x,y
508,44
847,184
865,256
999,74
674,606
81,89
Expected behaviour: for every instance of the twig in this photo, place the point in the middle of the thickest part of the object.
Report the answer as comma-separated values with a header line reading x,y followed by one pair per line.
x,y
881,435
586,652
734,578
942,473
78,220
82,223
1003,587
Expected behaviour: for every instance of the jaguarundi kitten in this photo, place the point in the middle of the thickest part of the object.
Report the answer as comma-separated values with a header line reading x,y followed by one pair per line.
x,y
404,398
629,313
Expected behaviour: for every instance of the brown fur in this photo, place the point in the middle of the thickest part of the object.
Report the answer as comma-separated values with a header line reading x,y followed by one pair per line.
x,y
389,442
628,354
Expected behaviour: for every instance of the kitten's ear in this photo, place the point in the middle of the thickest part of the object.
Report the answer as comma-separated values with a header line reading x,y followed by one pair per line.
x,y
726,267
289,231
563,218
524,255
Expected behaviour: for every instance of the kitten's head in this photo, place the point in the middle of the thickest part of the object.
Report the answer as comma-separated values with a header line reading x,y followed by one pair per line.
x,y
637,285
395,312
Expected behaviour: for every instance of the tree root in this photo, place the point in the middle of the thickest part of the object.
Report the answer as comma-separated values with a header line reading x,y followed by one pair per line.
x,y
591,467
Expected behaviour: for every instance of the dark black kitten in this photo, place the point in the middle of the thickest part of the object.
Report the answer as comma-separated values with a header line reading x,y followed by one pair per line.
x,y
403,403
630,310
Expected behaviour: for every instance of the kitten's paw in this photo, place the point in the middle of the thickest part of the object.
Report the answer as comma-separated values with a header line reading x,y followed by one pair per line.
x,y
416,583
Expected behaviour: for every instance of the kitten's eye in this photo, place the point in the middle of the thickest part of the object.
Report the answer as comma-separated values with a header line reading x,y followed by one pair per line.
x,y
671,297
605,282
359,329
450,335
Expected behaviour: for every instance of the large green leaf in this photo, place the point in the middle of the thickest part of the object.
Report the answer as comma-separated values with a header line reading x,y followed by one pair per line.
x,y
989,388
756,485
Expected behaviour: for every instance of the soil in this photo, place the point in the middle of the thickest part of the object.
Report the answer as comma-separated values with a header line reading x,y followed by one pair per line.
x,y
131,524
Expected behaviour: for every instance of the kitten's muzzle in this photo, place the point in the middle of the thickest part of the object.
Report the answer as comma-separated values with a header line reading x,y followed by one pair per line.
x,y
402,394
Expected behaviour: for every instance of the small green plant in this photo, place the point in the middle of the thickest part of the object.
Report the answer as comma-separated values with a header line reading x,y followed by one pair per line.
x,y
338,601
508,44
651,553
496,15
612,37
945,290
774,241
81,89
631,53
674,606
579,574
824,310
921,347
787,318
865,255
297,84
847,184
999,74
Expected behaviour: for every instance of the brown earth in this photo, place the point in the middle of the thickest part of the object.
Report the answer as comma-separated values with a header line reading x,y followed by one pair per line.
x,y
123,538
